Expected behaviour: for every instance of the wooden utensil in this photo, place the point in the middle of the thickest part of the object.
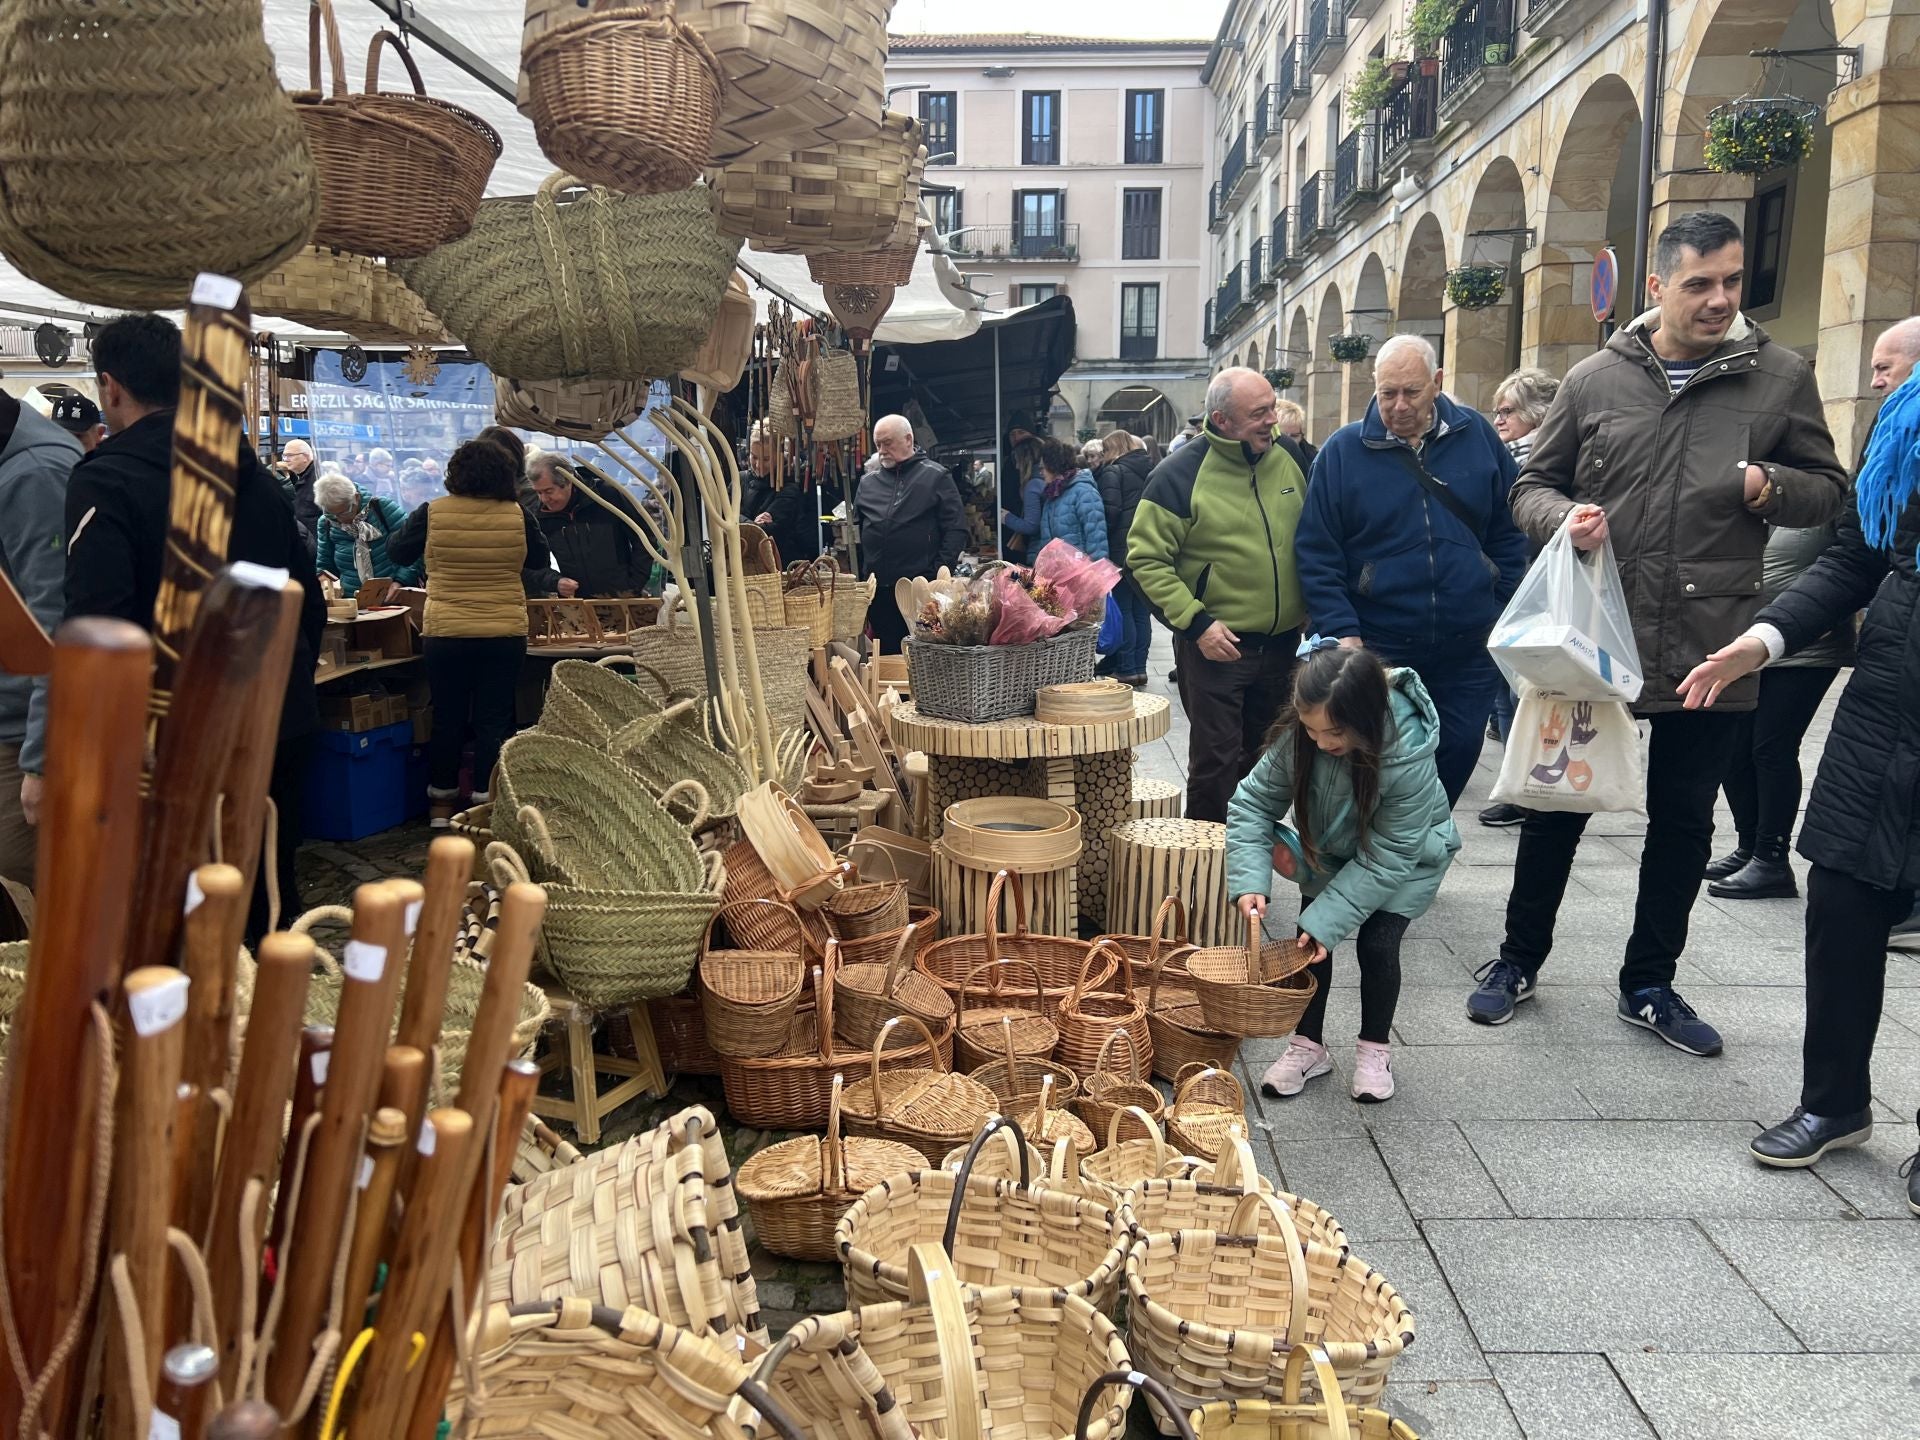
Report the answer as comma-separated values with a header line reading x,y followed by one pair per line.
x,y
260,1098
186,1392
370,967
59,1059
386,1133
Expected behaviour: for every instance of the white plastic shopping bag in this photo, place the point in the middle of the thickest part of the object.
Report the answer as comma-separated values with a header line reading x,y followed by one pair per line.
x,y
1567,630
1579,755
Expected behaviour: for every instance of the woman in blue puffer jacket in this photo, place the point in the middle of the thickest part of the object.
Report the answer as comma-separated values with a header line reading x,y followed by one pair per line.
x,y
1070,505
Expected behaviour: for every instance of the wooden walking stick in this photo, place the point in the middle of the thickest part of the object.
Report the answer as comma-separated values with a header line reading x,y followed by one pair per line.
x,y
386,1135
186,1392
59,1071
370,966
248,774
260,1096
403,1087
449,869
247,1420
152,1032
309,1079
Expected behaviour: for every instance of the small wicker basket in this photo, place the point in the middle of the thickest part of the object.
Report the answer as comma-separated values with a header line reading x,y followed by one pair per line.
x,y
747,996
1253,989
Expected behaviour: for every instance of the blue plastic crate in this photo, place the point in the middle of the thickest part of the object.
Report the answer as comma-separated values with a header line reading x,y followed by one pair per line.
x,y
357,784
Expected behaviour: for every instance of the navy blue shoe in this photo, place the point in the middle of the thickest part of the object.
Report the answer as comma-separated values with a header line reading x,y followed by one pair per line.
x,y
1503,985
1802,1139
1660,1009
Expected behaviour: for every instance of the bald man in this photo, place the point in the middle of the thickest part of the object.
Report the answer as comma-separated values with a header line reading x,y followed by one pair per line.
x,y
296,473
911,522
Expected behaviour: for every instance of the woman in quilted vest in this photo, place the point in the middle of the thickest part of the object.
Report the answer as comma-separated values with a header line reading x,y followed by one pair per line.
x,y
475,540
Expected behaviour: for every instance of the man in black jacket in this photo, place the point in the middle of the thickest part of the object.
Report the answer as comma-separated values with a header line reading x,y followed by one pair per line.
x,y
599,557
911,522
116,525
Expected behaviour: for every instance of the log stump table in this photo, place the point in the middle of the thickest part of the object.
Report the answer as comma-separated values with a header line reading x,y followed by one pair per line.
x,y
1155,858
1155,799
1088,766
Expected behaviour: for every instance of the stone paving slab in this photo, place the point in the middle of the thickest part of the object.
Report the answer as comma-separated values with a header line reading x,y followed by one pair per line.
x,y
1437,1172
1845,1286
1473,1408
1569,1397
1771,1397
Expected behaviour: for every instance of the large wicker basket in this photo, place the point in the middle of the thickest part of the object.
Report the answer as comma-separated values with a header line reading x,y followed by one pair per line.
x,y
977,683
930,1108
590,702
844,197
663,750
569,285
1293,1416
579,817
1056,958
1253,989
322,288
1210,1196
586,410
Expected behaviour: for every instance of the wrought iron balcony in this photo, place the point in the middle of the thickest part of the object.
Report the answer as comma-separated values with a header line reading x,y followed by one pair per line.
x,y
1209,334
1057,244
1356,168
1296,79
1326,35
1476,68
1565,18
1216,212
1410,121
1289,256
1236,176
1314,216
1230,295
1263,266
1269,128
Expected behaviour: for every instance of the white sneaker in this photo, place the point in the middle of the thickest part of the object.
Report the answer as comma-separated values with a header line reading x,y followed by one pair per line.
x,y
1372,1073
1305,1060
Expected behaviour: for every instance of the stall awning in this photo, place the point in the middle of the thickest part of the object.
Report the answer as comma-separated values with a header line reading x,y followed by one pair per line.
x,y
952,382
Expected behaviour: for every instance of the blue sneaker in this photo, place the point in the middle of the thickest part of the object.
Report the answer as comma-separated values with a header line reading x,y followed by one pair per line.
x,y
1660,1009
1503,985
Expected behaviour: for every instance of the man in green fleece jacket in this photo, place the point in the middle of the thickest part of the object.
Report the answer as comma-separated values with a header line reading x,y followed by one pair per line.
x,y
1212,548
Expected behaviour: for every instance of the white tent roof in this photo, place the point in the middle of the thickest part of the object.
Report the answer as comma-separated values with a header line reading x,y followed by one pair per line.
x,y
934,306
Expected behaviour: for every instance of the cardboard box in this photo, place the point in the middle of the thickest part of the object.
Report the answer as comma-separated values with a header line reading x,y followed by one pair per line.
x,y
333,650
354,714
359,657
390,637
1566,663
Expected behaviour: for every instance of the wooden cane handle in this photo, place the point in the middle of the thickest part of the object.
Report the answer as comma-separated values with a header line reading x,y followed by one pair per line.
x,y
248,1420
449,868
187,1375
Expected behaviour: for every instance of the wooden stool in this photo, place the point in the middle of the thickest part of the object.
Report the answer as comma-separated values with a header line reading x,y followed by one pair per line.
x,y
1153,859
960,894
590,1104
1154,799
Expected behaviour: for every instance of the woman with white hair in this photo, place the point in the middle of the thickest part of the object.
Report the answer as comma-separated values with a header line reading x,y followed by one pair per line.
x,y
351,542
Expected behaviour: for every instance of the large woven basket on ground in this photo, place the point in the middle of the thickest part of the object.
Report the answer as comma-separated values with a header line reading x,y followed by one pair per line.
x,y
868,994
1209,1197
138,150
930,1108
589,702
572,285
1293,1416
586,410
1057,958
999,1232
847,197
1206,1308
1018,1358
747,994
654,1222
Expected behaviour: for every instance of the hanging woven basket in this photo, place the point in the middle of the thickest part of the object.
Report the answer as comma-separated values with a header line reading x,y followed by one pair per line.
x,y
891,264
723,356
579,410
137,150
624,95
572,284
837,199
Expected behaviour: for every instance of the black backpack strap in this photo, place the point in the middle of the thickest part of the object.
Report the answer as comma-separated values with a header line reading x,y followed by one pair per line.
x,y
1449,501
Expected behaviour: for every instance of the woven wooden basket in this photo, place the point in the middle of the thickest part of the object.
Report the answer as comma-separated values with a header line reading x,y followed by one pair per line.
x,y
749,879
722,358
1181,1036
476,144
808,601
325,289
1253,989
1209,1107
1088,1016
1016,1078
654,1222
1057,959
858,911
846,197
1208,1198
1108,1091
891,264
625,96
748,996
796,1191
579,818
1049,1122
868,994
399,316
999,1232
1005,1023
1280,1292
140,150
572,285
931,1108
582,410
1123,1164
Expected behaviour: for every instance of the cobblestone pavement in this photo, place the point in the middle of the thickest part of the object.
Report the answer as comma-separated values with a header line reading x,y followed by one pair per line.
x,y
1565,1202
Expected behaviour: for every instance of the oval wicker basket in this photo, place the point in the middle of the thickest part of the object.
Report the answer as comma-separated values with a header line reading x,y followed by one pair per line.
x,y
748,996
844,197
1049,1122
1089,1016
589,703
1209,1107
578,410
1016,1078
858,911
930,1109
1253,989
952,962
1004,1023
867,995
1181,1037
1209,1198
1106,1092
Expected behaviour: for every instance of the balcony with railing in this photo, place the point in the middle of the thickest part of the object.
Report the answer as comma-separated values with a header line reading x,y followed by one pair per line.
x,y
1356,169
1269,129
1236,175
1296,79
1055,244
1230,295
1563,18
1289,256
1209,332
1216,212
1409,123
1326,35
1314,215
1476,65
1263,266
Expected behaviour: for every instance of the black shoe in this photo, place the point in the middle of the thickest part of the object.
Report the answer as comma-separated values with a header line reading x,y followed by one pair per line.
x,y
1758,879
1501,816
1911,1172
1802,1139
1731,864
1138,682
1173,676
1493,729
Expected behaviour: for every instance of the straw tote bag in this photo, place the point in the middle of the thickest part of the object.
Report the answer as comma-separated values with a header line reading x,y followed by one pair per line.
x,y
137,150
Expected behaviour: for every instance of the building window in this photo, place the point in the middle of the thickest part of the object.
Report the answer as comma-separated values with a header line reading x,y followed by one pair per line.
x,y
1139,322
1040,224
1140,225
1033,294
946,213
1040,134
940,119
1146,126
1766,232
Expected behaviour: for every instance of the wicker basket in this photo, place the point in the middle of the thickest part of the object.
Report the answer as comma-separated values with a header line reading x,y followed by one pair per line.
x,y
400,317
1016,1078
1089,1016
790,847
1253,989
978,683
119,185
1208,1108
723,356
604,286
680,1034
1181,1036
845,197
851,600
476,144
654,1222
866,995
890,264
580,410
1208,1200
1005,1024
1107,1092
879,949
748,996
1293,1417
931,1109
749,879
809,601
325,289
588,703
1123,1164
1165,949
953,962
1049,1122
999,1232
664,749
624,96
797,1191
785,653
858,911
1279,1291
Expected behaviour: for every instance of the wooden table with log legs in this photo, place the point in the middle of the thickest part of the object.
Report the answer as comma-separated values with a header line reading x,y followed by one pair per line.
x,y
1088,766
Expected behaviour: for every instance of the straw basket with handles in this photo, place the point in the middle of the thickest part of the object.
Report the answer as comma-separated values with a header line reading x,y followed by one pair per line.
x,y
1109,1090
1253,989
1088,1017
1292,1417
867,995
931,1109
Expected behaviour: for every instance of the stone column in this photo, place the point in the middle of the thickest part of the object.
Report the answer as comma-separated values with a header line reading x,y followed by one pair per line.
x,y
1325,398
1357,387
1557,328
1477,352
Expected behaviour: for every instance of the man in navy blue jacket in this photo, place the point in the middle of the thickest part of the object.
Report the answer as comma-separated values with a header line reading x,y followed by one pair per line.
x,y
1407,545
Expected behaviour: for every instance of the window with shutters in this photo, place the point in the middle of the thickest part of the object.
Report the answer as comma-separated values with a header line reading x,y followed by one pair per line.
x,y
1140,225
1040,130
1139,322
940,119
1146,126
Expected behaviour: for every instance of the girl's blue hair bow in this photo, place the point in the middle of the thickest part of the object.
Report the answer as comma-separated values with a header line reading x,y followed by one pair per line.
x,y
1313,643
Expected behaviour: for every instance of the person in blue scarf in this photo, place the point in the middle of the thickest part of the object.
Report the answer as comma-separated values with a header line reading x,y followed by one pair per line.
x,y
1862,827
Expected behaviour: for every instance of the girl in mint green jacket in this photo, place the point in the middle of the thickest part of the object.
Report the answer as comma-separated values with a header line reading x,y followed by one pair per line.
x,y
1352,759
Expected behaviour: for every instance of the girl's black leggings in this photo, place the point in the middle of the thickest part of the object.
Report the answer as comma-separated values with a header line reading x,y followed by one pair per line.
x,y
1378,946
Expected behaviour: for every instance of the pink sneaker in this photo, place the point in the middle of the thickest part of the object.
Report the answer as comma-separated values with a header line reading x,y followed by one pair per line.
x,y
1372,1073
1305,1060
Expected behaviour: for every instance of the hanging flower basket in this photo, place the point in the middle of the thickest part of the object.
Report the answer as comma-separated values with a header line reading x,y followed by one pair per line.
x,y
1754,135
1281,378
1348,349
1474,287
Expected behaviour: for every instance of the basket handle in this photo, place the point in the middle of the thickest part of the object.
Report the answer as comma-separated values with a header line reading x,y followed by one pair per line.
x,y
1039,990
823,975
1133,1055
994,891
1154,1391
1236,1167
880,1044
1006,1045
322,915
319,16
833,1159
900,962
387,37
1172,905
535,824
1064,1167
702,802
1254,977
1193,1074
716,871
1080,980
1147,1123
965,1172
1334,1403
1246,1213
931,1282
614,662
799,931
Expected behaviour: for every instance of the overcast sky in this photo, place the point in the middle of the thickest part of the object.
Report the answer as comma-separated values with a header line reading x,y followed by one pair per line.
x,y
1115,19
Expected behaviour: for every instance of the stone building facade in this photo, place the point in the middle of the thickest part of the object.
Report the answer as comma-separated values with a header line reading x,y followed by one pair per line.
x,y
1516,147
